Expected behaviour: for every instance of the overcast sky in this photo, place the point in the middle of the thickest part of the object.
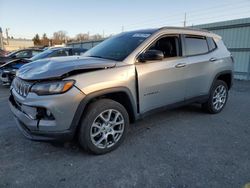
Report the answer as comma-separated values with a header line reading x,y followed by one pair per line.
x,y
25,18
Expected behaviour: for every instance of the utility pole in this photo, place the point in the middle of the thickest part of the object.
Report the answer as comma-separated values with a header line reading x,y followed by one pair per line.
x,y
185,19
122,28
7,35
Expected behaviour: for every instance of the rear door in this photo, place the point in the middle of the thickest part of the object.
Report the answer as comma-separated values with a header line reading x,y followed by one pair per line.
x,y
162,82
200,62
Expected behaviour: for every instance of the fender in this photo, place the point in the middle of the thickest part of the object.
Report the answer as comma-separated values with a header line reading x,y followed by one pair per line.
x,y
81,107
222,73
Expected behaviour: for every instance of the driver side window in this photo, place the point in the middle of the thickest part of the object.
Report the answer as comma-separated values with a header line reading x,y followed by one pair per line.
x,y
169,45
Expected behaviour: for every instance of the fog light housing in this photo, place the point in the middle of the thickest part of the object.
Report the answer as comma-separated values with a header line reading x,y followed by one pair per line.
x,y
44,114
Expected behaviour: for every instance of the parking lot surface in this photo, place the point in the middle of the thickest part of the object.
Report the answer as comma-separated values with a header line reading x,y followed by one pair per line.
x,y
178,148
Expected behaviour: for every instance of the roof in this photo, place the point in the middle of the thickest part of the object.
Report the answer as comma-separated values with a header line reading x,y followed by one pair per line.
x,y
185,29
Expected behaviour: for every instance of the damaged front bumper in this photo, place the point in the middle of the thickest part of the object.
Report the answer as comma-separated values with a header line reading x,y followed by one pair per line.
x,y
7,76
37,124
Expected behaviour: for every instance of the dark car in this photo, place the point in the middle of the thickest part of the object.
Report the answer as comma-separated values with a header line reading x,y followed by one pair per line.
x,y
20,54
8,70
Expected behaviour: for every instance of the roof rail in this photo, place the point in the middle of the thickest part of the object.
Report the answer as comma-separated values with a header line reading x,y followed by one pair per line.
x,y
185,28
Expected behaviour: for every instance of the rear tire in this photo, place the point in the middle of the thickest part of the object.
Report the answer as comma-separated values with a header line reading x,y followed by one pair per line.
x,y
217,98
103,127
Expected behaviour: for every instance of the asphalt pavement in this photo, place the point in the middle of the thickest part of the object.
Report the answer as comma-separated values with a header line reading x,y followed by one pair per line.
x,y
179,148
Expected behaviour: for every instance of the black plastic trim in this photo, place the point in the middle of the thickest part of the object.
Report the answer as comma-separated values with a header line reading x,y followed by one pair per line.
x,y
223,73
89,97
199,99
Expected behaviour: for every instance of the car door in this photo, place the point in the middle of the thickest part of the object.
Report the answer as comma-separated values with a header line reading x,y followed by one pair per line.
x,y
199,65
161,83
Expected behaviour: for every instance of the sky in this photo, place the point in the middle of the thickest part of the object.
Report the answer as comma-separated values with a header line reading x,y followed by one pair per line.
x,y
25,18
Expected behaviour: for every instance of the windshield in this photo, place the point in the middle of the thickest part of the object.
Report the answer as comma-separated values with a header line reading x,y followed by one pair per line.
x,y
42,55
118,47
10,54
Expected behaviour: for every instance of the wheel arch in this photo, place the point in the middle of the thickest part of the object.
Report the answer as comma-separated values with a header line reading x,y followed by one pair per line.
x,y
118,94
226,76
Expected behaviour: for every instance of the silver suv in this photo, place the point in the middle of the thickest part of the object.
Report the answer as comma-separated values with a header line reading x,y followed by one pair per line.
x,y
96,96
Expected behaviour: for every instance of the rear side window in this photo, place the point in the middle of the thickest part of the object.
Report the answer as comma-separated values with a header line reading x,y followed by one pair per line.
x,y
211,44
195,45
60,53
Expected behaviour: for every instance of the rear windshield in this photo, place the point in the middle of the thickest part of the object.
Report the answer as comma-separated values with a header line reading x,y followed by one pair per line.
x,y
118,47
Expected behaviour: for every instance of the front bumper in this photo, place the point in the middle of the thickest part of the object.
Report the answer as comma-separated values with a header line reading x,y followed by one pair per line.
x,y
34,127
43,135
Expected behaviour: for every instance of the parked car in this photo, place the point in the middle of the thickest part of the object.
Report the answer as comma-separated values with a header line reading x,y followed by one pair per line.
x,y
95,97
3,53
8,70
20,54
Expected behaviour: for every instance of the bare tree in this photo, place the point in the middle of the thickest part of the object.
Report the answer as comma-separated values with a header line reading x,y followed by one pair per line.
x,y
82,37
96,37
60,37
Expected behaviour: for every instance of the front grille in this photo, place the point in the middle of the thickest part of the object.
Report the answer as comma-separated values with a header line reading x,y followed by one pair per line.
x,y
21,87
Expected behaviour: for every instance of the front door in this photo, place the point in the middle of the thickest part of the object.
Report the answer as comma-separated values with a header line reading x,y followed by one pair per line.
x,y
161,83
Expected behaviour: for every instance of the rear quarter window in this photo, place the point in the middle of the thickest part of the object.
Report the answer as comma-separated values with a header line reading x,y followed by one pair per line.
x,y
211,44
195,45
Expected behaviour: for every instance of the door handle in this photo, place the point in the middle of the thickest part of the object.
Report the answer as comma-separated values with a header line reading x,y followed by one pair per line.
x,y
180,65
212,59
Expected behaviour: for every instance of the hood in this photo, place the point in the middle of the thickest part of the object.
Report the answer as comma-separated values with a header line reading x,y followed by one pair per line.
x,y
55,68
13,62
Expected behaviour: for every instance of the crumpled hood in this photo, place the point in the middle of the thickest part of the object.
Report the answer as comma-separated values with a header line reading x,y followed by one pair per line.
x,y
53,68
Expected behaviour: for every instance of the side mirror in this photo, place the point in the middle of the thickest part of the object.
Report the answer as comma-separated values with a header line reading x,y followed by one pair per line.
x,y
151,55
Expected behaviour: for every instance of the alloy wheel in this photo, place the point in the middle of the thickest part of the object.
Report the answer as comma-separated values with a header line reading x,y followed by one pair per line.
x,y
107,128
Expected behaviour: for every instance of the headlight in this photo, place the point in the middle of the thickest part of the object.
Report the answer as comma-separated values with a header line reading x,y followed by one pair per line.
x,y
50,88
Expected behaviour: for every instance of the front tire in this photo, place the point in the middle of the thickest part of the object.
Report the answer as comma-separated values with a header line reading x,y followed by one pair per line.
x,y
103,127
217,98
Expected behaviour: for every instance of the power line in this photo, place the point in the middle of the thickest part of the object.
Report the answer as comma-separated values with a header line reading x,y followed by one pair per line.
x,y
209,11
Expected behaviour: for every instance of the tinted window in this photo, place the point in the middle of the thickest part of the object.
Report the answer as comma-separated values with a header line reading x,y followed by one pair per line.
x,y
42,55
60,53
211,43
23,54
195,45
35,52
118,47
78,51
168,45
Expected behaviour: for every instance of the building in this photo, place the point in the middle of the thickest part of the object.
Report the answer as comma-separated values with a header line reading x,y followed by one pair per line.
x,y
16,44
236,36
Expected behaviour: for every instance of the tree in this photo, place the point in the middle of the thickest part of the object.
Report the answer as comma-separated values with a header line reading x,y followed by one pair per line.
x,y
36,40
45,40
82,37
60,37
96,37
